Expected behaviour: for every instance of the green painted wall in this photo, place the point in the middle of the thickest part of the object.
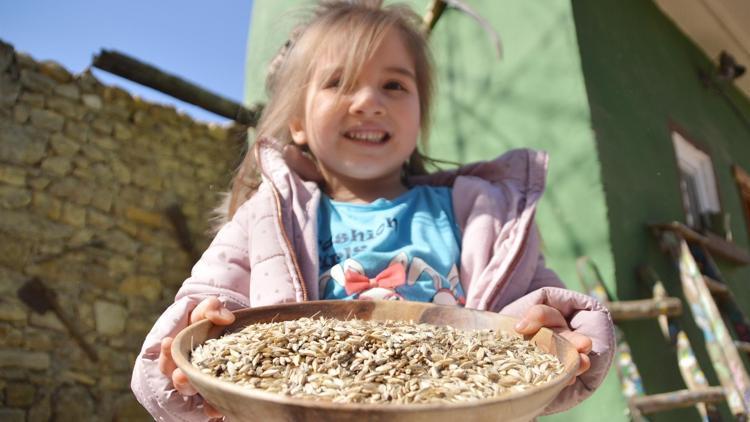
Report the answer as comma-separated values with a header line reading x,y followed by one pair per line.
x,y
641,76
533,97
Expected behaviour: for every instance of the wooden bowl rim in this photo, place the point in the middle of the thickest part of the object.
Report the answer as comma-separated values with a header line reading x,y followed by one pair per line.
x,y
192,372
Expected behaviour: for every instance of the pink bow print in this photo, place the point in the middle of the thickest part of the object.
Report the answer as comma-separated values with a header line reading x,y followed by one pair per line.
x,y
390,278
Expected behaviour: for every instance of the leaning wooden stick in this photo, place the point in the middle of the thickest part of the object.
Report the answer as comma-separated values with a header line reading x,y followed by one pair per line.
x,y
726,301
691,372
721,349
631,382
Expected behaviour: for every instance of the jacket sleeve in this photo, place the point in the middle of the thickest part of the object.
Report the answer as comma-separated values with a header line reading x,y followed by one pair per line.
x,y
585,315
223,271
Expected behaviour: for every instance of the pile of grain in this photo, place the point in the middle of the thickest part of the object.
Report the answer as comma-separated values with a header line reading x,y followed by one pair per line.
x,y
358,361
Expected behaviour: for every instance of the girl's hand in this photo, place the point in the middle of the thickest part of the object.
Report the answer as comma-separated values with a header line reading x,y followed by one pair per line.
x,y
539,316
211,309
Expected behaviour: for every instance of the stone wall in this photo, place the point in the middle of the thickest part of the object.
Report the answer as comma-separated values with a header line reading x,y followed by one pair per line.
x,y
87,172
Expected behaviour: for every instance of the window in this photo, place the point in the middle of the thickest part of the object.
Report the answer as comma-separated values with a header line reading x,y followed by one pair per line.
x,y
697,183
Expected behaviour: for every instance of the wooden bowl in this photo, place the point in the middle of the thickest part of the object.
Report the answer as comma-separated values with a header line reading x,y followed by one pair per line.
x,y
239,403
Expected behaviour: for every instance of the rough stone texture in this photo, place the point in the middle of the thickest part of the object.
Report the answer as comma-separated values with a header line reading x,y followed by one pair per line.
x,y
110,318
86,174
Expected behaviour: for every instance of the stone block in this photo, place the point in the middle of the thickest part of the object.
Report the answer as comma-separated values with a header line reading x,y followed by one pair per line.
x,y
103,125
7,56
78,377
11,175
19,395
88,82
46,119
144,286
19,358
15,252
147,177
102,173
92,101
12,415
12,311
83,195
10,337
151,258
39,183
77,131
41,411
10,90
69,91
66,107
73,215
55,71
141,216
21,113
123,132
121,171
38,340
103,198
57,166
47,320
12,197
63,146
100,220
47,205
120,242
27,226
73,403
119,265
64,188
104,142
110,318
93,153
37,82
31,99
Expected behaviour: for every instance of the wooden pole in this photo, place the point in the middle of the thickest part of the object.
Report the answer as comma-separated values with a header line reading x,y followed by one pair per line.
x,y
691,372
434,11
145,74
624,310
677,399
721,349
631,382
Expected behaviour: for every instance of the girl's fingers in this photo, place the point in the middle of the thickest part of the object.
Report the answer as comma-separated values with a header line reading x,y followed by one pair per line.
x,y
581,342
166,363
584,365
211,411
539,316
207,304
182,384
213,310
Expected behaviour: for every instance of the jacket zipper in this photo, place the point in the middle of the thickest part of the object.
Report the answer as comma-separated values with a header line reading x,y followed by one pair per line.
x,y
511,268
280,222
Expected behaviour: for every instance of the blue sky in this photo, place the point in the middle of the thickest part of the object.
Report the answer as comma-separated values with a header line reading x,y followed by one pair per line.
x,y
201,41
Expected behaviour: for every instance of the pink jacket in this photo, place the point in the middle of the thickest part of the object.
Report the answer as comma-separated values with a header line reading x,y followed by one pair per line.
x,y
267,254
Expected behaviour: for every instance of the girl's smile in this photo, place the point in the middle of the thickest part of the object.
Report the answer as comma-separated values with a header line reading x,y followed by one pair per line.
x,y
362,135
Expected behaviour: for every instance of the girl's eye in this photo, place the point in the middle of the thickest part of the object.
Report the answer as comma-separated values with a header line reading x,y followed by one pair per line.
x,y
395,85
332,83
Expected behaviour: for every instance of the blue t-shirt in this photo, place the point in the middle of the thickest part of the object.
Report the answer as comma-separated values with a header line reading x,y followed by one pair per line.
x,y
405,248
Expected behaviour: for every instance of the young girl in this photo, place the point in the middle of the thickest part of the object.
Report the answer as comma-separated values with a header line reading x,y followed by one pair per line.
x,y
345,209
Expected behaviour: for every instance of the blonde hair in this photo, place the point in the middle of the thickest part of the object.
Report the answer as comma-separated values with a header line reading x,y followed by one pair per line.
x,y
354,27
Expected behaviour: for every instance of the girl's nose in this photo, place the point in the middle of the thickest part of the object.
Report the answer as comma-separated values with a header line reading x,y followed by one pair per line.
x,y
367,102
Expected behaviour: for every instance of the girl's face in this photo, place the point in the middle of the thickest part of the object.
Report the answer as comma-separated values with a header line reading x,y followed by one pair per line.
x,y
366,134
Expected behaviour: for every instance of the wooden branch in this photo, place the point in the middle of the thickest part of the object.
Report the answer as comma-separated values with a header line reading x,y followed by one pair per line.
x,y
645,308
742,346
179,222
717,289
436,9
677,399
715,244
145,74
